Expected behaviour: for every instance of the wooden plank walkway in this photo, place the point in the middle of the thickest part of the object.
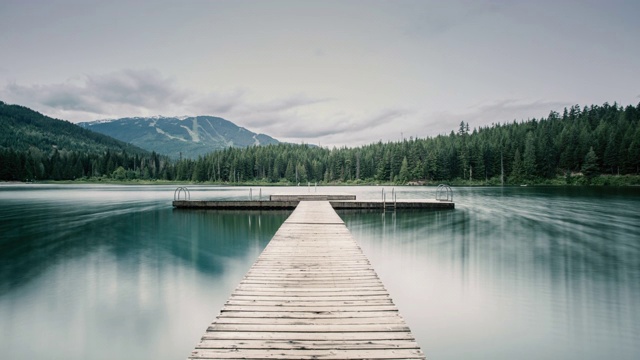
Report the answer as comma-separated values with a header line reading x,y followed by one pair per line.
x,y
312,294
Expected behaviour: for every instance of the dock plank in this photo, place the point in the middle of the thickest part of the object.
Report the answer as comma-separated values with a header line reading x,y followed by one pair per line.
x,y
308,314
307,344
312,294
316,321
300,336
332,302
391,353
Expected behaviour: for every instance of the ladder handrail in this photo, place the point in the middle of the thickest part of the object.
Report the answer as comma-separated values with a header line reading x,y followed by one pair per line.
x,y
391,203
444,193
180,190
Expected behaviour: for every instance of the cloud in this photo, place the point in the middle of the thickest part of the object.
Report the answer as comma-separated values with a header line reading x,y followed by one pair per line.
x,y
296,118
144,88
147,92
290,103
218,103
278,117
395,124
270,113
123,93
518,107
498,111
341,123
339,128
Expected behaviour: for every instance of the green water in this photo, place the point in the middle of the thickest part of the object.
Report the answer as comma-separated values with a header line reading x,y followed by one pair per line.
x,y
113,272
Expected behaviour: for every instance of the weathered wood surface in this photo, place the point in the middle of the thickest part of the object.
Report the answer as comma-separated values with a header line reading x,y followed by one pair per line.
x,y
306,196
312,294
235,204
347,202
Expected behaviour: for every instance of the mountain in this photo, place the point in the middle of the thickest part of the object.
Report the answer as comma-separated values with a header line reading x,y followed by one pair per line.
x,y
23,129
188,137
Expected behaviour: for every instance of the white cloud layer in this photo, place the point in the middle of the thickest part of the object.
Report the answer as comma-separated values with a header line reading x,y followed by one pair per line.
x,y
334,73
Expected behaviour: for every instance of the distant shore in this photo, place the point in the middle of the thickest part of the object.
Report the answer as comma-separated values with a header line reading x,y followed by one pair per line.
x,y
600,180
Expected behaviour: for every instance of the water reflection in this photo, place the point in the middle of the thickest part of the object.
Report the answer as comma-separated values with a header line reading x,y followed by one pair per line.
x,y
114,272
109,278
514,273
36,238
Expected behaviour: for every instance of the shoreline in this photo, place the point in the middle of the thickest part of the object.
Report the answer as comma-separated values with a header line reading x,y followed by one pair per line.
x,y
575,181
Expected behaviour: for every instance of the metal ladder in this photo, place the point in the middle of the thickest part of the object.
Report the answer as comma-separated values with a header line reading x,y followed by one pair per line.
x,y
444,193
389,205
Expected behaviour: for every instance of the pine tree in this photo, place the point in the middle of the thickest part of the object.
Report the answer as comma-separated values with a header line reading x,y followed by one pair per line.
x,y
590,165
529,158
517,168
403,175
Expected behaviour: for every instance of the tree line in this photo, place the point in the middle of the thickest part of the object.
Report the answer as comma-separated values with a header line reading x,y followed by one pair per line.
x,y
580,142
35,165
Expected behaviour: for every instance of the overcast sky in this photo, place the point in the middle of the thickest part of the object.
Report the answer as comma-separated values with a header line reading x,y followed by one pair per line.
x,y
322,72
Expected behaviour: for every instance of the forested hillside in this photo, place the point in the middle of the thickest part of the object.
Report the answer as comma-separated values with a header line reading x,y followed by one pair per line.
x,y
37,147
575,146
584,142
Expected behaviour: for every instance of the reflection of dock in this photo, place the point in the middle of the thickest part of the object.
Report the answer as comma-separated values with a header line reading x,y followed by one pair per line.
x,y
337,201
312,294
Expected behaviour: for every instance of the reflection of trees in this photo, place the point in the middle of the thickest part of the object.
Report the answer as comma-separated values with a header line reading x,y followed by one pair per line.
x,y
35,239
574,251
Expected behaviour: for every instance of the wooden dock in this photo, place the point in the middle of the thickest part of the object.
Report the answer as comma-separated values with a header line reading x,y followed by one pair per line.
x,y
292,204
312,294
291,201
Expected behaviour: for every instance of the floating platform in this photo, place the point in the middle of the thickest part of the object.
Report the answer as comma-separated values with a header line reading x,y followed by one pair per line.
x,y
311,197
312,294
290,201
291,204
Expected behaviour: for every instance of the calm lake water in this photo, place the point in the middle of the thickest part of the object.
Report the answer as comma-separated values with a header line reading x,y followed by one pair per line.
x,y
113,272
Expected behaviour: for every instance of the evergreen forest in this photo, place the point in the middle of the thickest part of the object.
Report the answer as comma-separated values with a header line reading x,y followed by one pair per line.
x,y
35,147
583,142
573,147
